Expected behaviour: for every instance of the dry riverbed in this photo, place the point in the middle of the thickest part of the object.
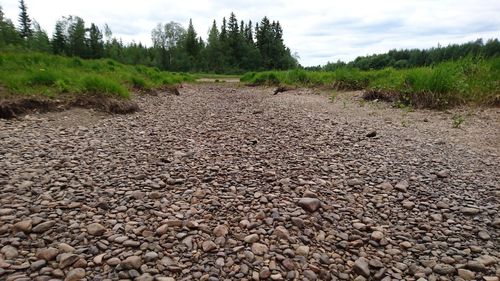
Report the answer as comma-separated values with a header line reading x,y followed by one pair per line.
x,y
226,182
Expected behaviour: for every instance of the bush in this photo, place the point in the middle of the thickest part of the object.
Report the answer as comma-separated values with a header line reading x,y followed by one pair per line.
x,y
101,85
43,77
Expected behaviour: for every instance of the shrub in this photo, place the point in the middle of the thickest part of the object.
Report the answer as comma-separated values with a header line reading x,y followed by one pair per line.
x,y
43,77
101,85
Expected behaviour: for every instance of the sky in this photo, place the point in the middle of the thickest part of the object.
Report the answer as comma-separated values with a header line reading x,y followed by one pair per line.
x,y
318,31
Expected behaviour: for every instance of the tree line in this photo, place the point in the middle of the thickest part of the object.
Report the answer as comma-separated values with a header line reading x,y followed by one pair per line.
x,y
408,58
233,47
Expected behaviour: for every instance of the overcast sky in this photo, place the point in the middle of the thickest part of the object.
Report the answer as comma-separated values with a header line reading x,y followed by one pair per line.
x,y
319,31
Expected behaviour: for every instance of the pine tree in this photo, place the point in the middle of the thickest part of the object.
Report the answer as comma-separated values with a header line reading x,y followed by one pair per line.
x,y
59,40
191,42
24,21
96,45
76,37
40,40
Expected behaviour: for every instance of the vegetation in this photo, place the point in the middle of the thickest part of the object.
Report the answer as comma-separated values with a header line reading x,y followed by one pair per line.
x,y
400,59
466,81
234,47
29,73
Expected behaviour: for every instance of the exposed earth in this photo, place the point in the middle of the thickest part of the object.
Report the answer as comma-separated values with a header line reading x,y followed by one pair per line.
x,y
226,182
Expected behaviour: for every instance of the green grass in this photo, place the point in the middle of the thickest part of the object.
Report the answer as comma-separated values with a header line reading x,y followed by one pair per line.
x,y
467,81
28,73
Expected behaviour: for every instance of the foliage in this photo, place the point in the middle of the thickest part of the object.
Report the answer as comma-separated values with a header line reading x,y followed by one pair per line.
x,y
30,73
457,121
466,81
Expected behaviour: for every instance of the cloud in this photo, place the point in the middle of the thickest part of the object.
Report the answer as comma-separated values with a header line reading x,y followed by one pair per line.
x,y
319,30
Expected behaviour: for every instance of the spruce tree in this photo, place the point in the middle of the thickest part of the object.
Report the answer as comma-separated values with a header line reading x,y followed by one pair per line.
x,y
24,21
59,40
96,45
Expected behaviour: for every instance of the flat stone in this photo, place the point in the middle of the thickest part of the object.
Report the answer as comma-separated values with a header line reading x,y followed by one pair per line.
x,y
208,246
75,274
96,229
252,238
47,254
302,251
259,249
310,204
24,226
361,267
134,262
43,227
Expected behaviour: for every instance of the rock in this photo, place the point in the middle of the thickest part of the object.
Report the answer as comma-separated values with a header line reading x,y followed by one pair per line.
x,y
371,134
476,266
43,227
47,254
309,204
37,265
145,277
310,275
487,260
208,246
442,174
361,267
132,262
484,235
264,273
67,259
470,211
354,182
402,186
377,235
75,274
63,247
443,269
302,251
221,230
281,233
466,274
150,256
163,229
259,249
113,261
252,238
408,205
9,252
24,226
96,229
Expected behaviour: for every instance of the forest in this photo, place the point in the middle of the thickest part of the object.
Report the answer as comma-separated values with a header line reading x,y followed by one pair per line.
x,y
233,47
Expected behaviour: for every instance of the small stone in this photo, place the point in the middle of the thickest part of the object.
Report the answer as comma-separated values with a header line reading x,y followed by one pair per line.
x,y
96,229
24,226
264,273
113,261
310,275
444,269
484,235
42,227
259,249
219,262
466,274
145,277
134,262
252,238
377,235
361,267
302,251
38,264
63,247
67,259
372,134
221,230
75,274
476,266
402,186
208,246
47,254
408,205
309,204
354,182
9,252
150,256
162,230
282,233
470,211
442,174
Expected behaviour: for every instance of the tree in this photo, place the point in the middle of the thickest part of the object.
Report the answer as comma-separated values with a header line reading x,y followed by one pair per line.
x,y
59,39
40,40
76,37
24,21
214,57
95,43
8,32
165,39
191,43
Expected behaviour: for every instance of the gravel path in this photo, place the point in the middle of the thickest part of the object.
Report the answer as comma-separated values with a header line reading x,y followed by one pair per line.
x,y
232,183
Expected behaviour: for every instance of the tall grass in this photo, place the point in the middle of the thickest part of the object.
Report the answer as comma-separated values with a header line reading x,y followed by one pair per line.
x,y
26,73
467,81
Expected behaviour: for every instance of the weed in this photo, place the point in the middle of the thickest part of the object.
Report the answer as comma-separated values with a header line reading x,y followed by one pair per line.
x,y
100,85
458,119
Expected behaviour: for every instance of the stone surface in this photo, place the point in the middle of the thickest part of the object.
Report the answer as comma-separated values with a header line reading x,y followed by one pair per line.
x,y
309,204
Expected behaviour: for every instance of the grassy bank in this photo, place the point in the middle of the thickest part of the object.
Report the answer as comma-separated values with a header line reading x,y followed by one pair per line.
x,y
38,74
467,81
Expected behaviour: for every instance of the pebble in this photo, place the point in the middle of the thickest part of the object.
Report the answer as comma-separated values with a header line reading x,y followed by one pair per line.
x,y
310,204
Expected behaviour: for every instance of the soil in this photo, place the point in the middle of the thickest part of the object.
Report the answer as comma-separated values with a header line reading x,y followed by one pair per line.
x,y
225,182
